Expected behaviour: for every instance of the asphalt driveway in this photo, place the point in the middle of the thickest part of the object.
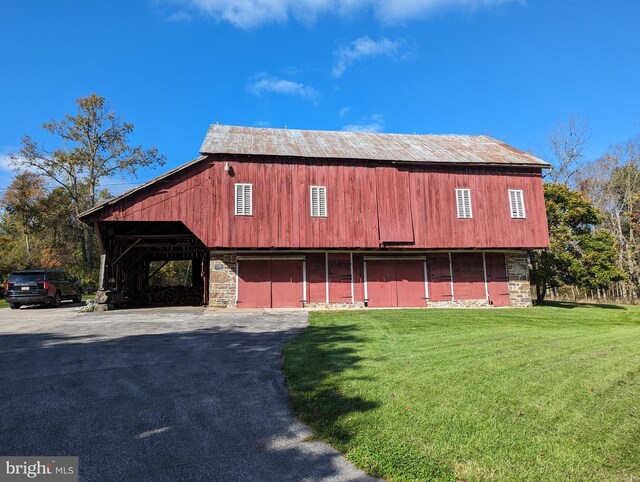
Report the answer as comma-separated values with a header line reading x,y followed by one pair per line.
x,y
158,394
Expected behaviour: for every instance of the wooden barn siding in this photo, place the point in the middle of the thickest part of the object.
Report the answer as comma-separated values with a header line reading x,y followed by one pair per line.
x,y
203,198
316,279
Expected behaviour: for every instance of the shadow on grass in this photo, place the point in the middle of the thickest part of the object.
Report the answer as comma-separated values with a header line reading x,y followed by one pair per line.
x,y
173,402
570,305
314,364
322,368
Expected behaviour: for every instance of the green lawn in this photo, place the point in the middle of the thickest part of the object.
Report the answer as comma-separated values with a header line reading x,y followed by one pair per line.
x,y
549,393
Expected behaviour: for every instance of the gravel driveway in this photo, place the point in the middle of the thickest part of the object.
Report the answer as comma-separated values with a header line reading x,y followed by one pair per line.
x,y
158,394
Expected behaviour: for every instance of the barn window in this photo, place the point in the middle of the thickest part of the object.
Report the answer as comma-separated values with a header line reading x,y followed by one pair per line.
x,y
319,201
463,201
516,199
244,199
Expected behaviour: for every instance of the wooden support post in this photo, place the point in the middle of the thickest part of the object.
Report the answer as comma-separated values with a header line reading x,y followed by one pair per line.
x,y
103,265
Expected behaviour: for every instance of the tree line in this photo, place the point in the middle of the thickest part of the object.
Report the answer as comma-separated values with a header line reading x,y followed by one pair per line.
x,y
593,213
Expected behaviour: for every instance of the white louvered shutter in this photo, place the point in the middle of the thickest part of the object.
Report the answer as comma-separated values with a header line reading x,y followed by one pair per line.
x,y
244,199
516,200
463,202
318,201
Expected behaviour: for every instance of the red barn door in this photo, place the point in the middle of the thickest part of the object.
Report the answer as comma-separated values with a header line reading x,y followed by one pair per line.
x,y
254,283
270,283
410,282
339,278
439,277
286,283
497,279
468,276
381,284
395,282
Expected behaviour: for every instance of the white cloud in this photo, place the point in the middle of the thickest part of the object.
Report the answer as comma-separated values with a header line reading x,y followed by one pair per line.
x,y
245,13
262,123
344,111
252,13
266,84
373,124
394,11
13,163
179,17
5,162
362,48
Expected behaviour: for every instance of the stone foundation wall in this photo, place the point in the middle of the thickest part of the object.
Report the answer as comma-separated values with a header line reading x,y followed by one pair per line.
x,y
223,279
458,304
518,273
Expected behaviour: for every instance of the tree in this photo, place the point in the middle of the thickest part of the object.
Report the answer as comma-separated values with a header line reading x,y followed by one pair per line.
x,y
12,252
91,145
578,254
568,142
612,182
22,201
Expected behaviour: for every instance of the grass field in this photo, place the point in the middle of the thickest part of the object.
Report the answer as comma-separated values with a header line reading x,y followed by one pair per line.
x,y
549,393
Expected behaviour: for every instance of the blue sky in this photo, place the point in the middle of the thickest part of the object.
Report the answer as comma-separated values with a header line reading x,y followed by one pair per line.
x,y
511,69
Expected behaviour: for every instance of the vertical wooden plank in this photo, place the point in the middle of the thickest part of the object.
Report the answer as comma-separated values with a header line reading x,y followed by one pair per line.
x,y
497,279
254,284
339,271
453,293
394,205
410,283
358,278
286,283
326,276
353,299
316,278
381,284
305,299
439,277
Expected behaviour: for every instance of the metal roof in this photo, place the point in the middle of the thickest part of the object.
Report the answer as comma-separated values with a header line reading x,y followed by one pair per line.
x,y
416,148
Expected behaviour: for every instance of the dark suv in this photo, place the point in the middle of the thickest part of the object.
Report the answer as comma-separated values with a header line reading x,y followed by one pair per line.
x,y
45,286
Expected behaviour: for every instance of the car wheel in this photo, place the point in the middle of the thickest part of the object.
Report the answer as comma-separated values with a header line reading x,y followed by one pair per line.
x,y
78,297
56,300
14,306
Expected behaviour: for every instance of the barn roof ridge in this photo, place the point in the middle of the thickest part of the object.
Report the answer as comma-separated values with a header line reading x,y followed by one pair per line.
x,y
374,146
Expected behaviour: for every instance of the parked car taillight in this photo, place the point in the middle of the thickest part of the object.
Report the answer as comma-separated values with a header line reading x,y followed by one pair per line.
x,y
6,286
45,285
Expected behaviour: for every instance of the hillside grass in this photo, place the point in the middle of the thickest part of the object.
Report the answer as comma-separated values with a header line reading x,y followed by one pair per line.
x,y
548,393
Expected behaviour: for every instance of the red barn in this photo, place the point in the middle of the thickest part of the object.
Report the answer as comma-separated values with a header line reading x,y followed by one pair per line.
x,y
292,218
